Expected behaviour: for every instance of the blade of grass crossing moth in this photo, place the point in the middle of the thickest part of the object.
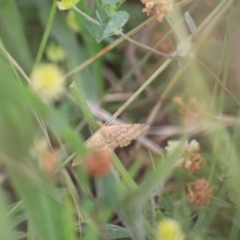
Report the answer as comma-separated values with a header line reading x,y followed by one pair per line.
x,y
83,106
126,178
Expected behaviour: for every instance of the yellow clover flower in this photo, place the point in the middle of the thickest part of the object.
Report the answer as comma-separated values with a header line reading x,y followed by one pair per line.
x,y
47,81
169,229
66,4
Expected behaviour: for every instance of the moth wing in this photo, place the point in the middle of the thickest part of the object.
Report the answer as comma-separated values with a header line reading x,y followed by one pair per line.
x,y
99,142
122,135
107,138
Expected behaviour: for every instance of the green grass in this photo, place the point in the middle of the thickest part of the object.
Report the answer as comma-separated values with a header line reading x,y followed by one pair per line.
x,y
144,185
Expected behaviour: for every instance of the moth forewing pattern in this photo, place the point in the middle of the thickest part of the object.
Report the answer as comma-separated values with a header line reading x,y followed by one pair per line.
x,y
107,138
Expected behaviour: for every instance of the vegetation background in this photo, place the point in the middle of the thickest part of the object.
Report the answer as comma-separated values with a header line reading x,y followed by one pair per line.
x,y
117,65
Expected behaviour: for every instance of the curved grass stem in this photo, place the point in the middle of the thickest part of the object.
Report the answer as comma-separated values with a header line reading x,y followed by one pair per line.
x,y
46,34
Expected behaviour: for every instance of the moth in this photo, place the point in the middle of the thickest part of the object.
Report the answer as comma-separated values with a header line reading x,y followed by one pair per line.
x,y
107,138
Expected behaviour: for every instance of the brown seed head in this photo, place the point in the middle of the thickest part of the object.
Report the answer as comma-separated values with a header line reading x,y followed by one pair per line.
x,y
49,161
193,111
162,8
98,163
200,193
195,163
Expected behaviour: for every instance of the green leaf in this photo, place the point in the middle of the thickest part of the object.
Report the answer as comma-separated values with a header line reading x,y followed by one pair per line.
x,y
109,231
94,30
115,232
167,204
115,23
77,94
44,212
12,34
110,9
16,124
106,188
47,216
91,47
190,23
183,48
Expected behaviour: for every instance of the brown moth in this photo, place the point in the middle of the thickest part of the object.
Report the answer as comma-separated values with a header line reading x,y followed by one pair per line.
x,y
107,138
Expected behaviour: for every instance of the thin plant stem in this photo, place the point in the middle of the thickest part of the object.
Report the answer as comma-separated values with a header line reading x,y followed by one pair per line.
x,y
87,17
46,34
157,107
217,138
142,61
219,81
64,164
127,179
13,62
148,48
147,55
72,190
139,91
213,19
15,208
83,106
174,28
